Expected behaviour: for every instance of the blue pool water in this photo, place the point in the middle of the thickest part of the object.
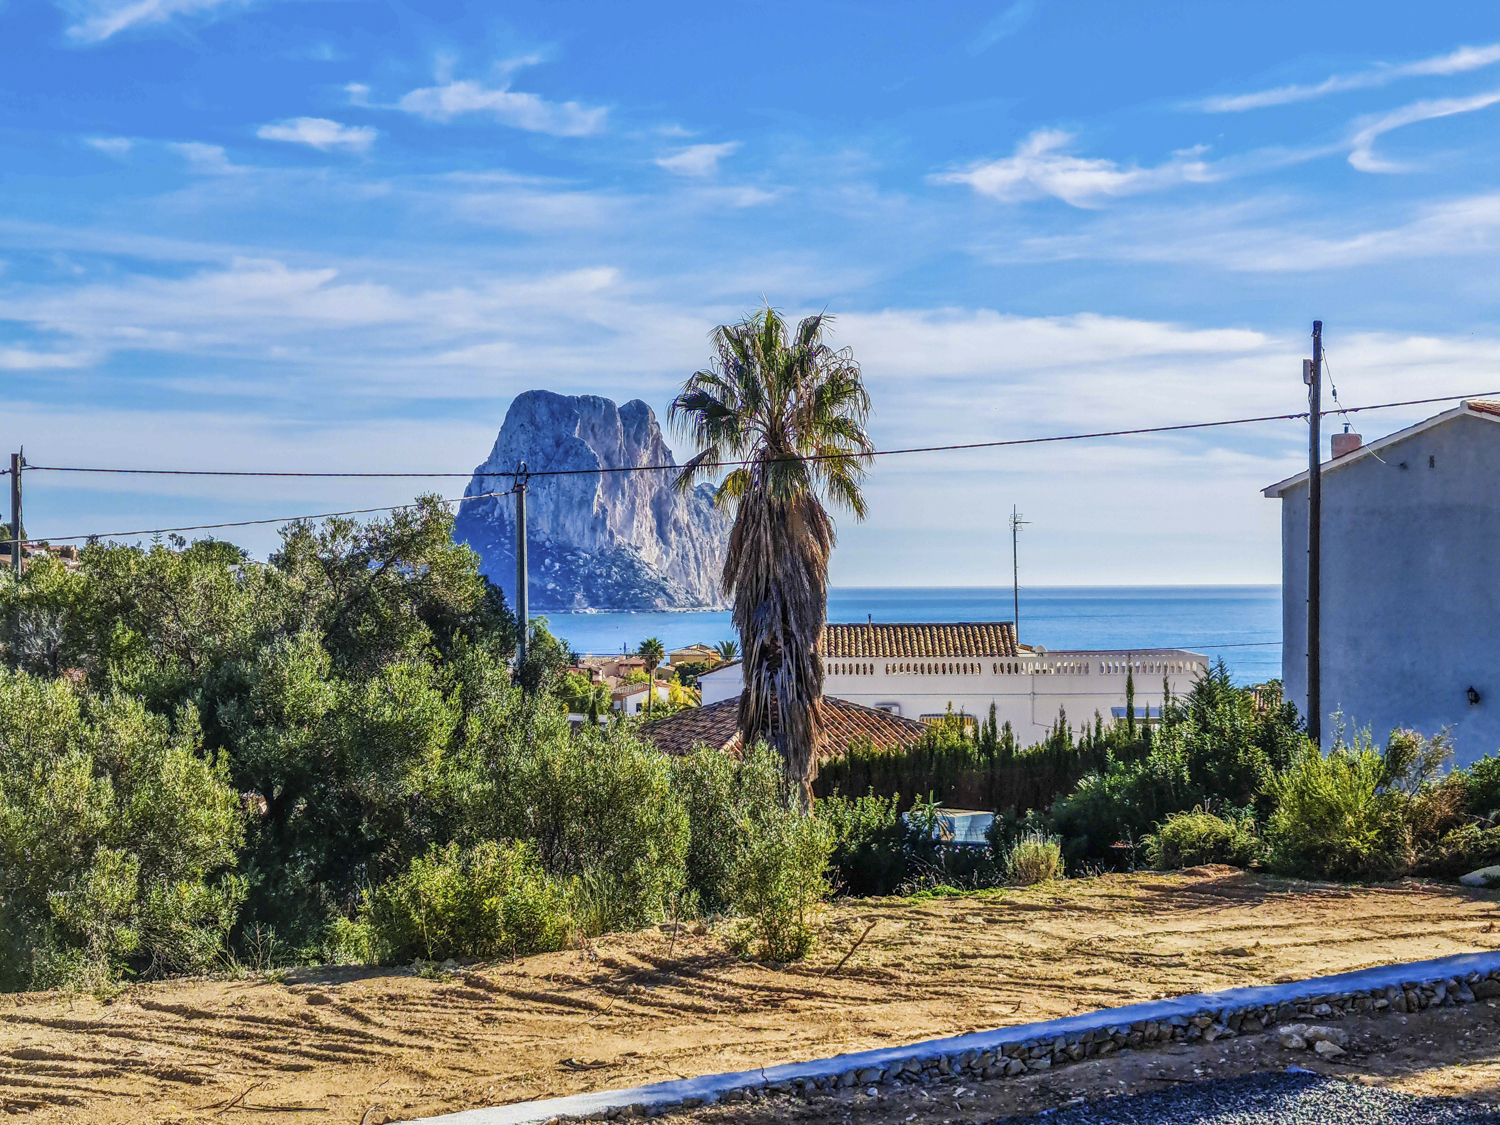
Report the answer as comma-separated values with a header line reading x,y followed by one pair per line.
x,y
1242,624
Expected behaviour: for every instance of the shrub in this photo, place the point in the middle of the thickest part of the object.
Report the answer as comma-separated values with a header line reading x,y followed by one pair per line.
x,y
872,843
724,798
116,837
1463,850
778,880
459,902
1334,817
600,807
1191,838
1034,858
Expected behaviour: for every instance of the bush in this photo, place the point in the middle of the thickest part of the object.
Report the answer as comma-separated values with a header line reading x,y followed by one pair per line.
x,y
600,807
1336,818
1463,850
723,799
459,902
778,880
873,845
116,839
1034,858
1192,838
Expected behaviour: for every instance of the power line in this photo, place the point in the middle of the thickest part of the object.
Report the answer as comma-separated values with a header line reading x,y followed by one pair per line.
x,y
251,523
1137,432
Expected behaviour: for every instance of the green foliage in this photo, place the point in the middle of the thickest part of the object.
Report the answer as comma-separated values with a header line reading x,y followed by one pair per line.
x,y
1035,858
689,671
728,650
724,800
1188,839
777,879
462,903
116,832
1338,816
873,845
1464,849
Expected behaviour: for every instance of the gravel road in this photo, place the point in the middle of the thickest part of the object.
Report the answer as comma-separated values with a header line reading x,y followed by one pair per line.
x,y
1267,1099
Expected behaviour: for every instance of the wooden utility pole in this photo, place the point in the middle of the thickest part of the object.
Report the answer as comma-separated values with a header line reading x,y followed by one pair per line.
x,y
17,461
1016,523
1313,375
523,610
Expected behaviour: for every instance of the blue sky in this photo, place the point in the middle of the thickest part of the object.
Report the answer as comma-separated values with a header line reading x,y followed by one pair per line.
x,y
343,235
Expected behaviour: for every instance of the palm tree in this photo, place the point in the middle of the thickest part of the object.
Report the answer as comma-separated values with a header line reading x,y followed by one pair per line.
x,y
788,413
727,650
653,652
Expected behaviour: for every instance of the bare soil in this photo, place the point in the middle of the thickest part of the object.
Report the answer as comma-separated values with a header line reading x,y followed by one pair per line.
x,y
328,1045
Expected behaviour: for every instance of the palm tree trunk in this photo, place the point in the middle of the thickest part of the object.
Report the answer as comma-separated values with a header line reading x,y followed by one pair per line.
x,y
777,566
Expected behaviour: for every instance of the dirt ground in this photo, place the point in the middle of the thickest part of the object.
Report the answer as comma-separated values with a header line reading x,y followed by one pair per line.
x,y
329,1045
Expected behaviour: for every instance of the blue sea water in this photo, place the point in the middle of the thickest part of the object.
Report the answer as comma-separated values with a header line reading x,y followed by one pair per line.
x,y
1242,624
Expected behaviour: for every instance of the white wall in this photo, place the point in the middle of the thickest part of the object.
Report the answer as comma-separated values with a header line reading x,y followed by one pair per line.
x,y
1411,588
1027,691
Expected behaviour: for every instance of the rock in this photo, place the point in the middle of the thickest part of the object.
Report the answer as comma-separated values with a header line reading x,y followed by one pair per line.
x,y
611,541
1294,1042
1464,994
1484,877
1040,1064
1014,1067
1486,989
1328,1050
870,1093
1322,1010
869,1074
1317,1034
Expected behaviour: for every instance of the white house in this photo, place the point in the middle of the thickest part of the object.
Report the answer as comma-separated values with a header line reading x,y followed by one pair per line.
x,y
1410,581
631,698
917,670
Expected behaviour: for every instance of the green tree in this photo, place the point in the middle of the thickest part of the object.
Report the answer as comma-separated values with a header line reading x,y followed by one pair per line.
x,y
653,652
794,410
728,650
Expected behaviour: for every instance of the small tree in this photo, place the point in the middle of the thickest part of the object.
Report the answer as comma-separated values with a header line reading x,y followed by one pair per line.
x,y
653,652
728,650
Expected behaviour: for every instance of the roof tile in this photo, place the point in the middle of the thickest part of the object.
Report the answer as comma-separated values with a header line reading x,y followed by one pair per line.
x,y
717,725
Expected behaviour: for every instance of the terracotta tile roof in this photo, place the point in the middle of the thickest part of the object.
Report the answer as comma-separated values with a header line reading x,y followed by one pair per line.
x,y
716,725
1483,406
916,641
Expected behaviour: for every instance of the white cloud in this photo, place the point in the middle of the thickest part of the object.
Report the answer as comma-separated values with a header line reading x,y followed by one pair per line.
x,y
1455,62
23,359
1043,166
1003,26
96,20
118,147
209,160
509,107
359,93
697,160
1362,155
320,133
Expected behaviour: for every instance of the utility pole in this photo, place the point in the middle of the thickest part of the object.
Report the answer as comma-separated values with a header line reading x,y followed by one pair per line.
x,y
1016,522
1312,374
17,462
523,611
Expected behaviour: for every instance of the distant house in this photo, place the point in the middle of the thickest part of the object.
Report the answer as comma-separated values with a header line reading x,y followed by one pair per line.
x,y
694,654
916,670
631,698
716,725
1410,584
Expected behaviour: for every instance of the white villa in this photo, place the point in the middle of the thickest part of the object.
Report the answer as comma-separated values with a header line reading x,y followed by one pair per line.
x,y
917,670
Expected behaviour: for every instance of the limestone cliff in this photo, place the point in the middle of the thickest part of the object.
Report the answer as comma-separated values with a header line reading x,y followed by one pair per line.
x,y
606,541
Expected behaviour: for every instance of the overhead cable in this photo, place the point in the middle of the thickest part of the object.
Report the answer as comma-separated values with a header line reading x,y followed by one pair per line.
x,y
1137,432
251,523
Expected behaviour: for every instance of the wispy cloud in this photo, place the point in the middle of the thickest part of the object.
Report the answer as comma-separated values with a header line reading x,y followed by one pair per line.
x,y
1362,154
24,359
697,160
96,20
118,147
320,133
209,160
509,107
1003,26
1042,165
1455,62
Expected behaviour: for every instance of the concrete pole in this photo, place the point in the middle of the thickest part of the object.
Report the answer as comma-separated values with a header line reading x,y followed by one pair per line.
x,y
1315,537
16,462
523,609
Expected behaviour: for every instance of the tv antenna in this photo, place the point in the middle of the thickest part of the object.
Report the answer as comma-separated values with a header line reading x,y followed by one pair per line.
x,y
1016,523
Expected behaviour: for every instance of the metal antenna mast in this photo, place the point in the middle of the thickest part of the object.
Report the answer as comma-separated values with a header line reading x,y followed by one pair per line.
x,y
1016,523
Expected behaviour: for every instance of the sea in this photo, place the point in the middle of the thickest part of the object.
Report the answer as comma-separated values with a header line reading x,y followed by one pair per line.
x,y
1239,624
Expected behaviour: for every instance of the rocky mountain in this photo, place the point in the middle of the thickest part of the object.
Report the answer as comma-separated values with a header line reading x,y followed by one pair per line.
x,y
606,541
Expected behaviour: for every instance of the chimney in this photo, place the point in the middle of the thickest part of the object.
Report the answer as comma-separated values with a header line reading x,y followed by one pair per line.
x,y
1345,443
